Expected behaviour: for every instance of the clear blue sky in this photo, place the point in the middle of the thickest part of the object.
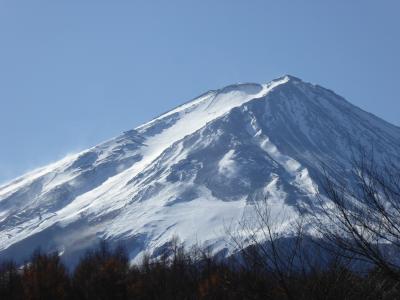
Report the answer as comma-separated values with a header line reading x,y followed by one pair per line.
x,y
75,73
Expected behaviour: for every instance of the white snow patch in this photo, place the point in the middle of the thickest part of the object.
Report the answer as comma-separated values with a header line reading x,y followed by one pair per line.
x,y
227,165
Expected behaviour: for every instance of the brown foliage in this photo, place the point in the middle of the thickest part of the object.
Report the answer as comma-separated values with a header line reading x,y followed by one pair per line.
x,y
45,277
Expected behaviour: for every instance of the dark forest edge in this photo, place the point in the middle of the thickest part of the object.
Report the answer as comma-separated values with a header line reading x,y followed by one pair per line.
x,y
105,273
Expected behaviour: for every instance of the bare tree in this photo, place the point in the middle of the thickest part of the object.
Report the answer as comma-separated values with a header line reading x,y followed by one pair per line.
x,y
263,242
359,216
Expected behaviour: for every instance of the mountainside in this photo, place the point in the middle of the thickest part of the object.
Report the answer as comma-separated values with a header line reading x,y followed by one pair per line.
x,y
192,171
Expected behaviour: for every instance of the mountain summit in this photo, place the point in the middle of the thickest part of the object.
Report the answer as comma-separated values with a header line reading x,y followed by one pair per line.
x,y
191,171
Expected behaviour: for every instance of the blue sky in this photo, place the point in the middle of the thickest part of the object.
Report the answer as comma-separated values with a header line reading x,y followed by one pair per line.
x,y
75,73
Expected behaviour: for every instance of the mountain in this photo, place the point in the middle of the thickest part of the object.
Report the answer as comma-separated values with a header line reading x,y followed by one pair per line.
x,y
192,171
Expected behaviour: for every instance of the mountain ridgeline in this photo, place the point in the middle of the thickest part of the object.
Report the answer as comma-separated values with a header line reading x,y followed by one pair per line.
x,y
192,171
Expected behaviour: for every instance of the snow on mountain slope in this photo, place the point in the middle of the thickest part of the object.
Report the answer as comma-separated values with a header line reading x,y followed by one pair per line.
x,y
191,171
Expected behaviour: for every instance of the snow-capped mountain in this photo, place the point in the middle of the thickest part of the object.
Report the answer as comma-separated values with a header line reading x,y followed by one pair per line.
x,y
191,171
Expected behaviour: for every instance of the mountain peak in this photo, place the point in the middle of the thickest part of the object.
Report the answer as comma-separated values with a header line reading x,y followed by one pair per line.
x,y
189,171
285,79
